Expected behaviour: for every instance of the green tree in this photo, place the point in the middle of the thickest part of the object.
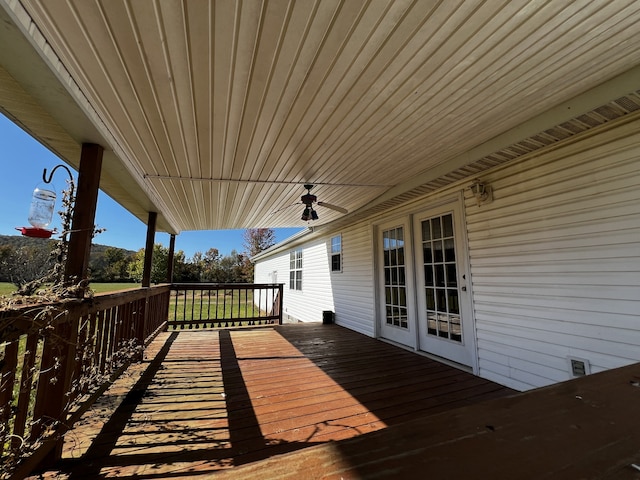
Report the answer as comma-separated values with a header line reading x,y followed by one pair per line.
x,y
232,268
158,264
115,265
6,252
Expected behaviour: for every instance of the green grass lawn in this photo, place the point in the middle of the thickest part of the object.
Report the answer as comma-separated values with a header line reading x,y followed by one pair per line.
x,y
8,288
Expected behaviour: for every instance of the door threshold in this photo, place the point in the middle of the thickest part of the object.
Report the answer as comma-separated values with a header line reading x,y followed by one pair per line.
x,y
451,363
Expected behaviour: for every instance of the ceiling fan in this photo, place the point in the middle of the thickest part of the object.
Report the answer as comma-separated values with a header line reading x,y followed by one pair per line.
x,y
309,199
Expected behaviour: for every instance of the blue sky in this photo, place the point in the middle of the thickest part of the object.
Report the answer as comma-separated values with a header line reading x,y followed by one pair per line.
x,y
23,159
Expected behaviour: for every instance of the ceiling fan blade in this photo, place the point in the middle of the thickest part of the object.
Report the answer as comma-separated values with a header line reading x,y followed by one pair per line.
x,y
333,207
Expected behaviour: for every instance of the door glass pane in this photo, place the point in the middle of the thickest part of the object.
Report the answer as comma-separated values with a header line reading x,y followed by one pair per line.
x,y
447,225
395,277
452,281
426,230
436,231
427,252
431,299
440,271
449,250
437,251
428,275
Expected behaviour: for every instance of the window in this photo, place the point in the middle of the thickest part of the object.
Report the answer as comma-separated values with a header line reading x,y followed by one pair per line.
x,y
336,253
295,270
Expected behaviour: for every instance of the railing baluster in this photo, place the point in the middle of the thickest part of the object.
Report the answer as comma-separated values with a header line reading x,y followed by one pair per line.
x,y
7,380
41,390
226,305
24,396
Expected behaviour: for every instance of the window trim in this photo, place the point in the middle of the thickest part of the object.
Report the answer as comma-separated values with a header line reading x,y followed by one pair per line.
x,y
333,253
295,269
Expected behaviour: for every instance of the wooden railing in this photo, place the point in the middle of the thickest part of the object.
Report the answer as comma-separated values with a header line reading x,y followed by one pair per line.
x,y
215,305
55,359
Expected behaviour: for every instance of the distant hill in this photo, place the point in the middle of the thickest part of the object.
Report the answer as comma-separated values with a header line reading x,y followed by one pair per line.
x,y
17,241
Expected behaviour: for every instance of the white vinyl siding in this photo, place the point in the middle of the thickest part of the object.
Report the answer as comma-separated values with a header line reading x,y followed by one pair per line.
x,y
349,295
354,289
555,262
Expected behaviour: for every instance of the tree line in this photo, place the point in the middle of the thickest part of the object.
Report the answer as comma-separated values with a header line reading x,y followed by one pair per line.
x,y
23,260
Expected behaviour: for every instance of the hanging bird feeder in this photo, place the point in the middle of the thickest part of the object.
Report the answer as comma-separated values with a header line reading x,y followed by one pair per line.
x,y
43,202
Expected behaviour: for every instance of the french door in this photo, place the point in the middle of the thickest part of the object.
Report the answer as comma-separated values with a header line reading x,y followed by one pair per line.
x,y
444,306
397,307
424,298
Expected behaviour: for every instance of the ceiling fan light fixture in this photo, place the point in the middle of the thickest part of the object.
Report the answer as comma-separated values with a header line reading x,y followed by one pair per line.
x,y
309,214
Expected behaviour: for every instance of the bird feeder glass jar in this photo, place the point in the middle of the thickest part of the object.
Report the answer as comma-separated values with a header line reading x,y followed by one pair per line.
x,y
43,204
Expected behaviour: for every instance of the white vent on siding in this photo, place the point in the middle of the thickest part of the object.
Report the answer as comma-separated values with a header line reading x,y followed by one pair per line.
x,y
578,367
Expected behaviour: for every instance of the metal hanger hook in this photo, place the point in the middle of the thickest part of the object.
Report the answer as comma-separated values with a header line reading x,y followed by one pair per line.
x,y
44,173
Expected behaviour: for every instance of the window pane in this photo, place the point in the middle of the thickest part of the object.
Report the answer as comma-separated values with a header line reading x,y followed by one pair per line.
x,y
431,323
456,329
454,306
402,297
427,252
447,226
335,263
452,281
431,298
439,273
449,250
436,231
428,275
335,244
437,251
443,326
441,300
426,230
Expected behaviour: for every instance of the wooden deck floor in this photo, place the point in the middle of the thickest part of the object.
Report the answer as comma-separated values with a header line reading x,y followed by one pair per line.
x,y
208,400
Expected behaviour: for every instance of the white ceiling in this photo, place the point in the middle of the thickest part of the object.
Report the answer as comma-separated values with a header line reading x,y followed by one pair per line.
x,y
214,114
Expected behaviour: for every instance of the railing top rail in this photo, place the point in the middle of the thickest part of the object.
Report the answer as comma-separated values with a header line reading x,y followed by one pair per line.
x,y
229,286
18,319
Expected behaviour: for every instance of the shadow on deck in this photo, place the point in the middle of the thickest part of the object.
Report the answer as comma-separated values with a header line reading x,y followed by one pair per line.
x,y
210,400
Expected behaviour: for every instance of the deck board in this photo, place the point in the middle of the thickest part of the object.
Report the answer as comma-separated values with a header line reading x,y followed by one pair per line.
x,y
209,400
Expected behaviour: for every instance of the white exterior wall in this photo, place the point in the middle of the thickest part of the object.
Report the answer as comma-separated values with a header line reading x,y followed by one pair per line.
x,y
555,262
349,293
354,287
